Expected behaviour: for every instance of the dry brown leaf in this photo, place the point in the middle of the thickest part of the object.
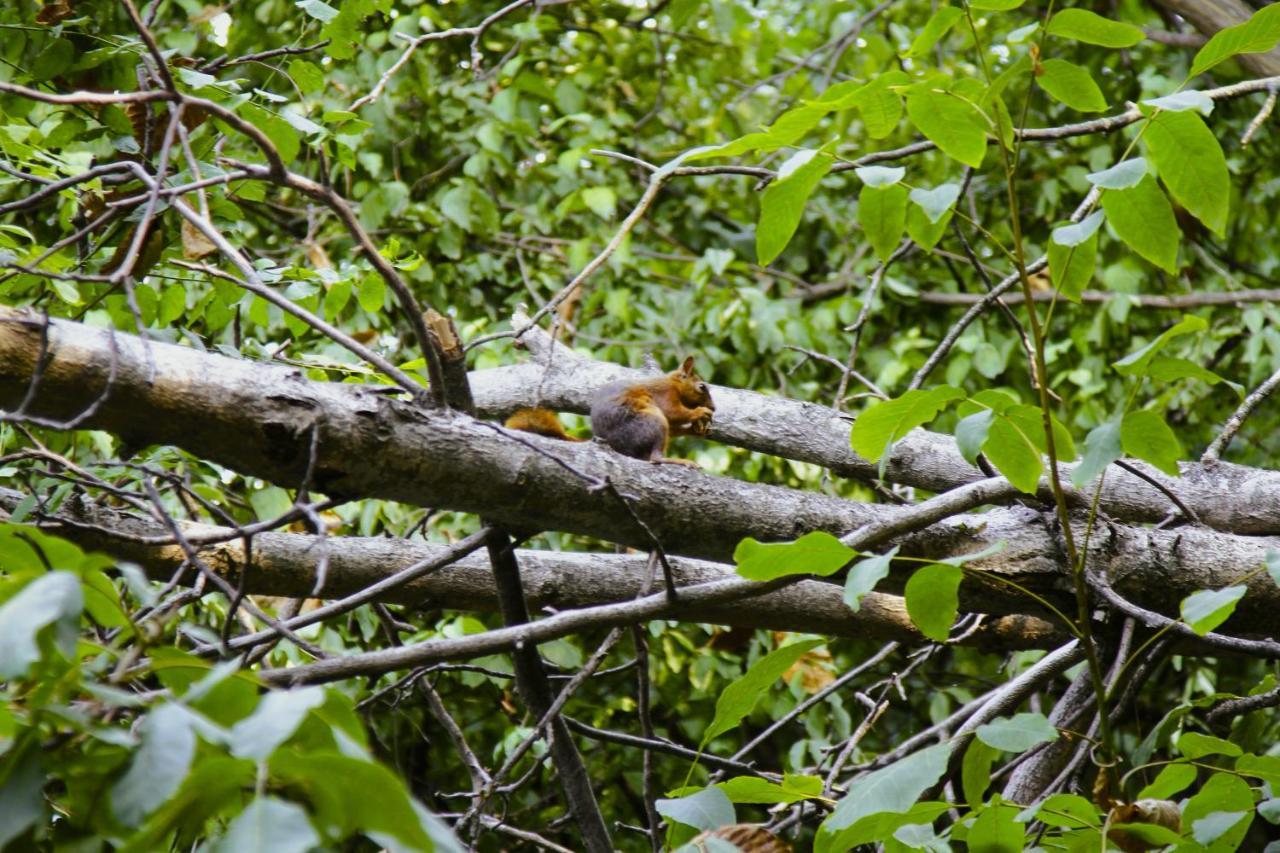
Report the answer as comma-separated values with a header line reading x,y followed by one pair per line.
x,y
316,255
55,12
365,336
194,244
1157,812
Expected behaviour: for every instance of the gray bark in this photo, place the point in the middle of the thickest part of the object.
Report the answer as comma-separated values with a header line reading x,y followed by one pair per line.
x,y
257,419
1224,496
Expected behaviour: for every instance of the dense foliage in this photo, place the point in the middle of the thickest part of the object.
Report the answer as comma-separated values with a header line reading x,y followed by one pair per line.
x,y
822,190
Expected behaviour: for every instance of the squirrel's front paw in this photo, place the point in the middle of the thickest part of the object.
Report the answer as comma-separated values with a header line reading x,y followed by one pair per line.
x,y
701,424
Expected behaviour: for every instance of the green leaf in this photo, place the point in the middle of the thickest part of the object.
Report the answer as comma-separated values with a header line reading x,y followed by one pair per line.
x,y
784,200
1137,363
269,825
1091,28
347,794
1187,99
932,599
880,106
893,789
1195,745
882,213
1143,219
372,293
705,810
1144,435
814,553
22,793
975,771
1259,34
995,5
1207,609
753,789
1223,792
1017,733
281,134
1164,368
53,599
1121,176
1071,267
159,765
602,201
1015,444
1170,781
1192,166
307,75
742,694
1072,85
1070,811
321,11
885,422
925,233
938,25
880,176
1271,561
864,575
936,202
276,718
997,829
971,434
951,123
1101,448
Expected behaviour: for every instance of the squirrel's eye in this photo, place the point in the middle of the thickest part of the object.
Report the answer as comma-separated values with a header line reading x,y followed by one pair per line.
x,y
702,387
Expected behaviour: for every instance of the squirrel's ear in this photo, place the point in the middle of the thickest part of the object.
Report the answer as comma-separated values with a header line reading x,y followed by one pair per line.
x,y
687,367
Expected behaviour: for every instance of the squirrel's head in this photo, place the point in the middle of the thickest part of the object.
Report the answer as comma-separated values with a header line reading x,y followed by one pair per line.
x,y
692,389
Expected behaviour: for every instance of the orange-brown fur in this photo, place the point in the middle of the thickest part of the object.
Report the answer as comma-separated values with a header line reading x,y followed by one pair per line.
x,y
539,421
637,419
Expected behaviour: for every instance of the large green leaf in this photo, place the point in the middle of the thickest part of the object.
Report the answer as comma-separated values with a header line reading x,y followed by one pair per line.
x,y
784,200
932,599
1144,435
159,765
1257,35
740,697
1143,219
893,789
886,422
269,825
53,599
1072,85
276,718
704,810
935,28
815,553
864,575
1101,448
1207,609
1138,362
1017,733
882,213
1191,165
951,123
1091,28
1071,267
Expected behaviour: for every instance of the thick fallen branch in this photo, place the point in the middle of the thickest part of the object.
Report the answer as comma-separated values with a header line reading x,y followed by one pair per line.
x,y
259,419
285,564
1228,497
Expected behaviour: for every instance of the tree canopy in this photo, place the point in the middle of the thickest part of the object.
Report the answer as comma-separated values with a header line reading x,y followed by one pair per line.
x,y
982,546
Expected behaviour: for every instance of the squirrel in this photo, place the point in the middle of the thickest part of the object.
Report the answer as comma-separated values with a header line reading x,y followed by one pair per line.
x,y
637,418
